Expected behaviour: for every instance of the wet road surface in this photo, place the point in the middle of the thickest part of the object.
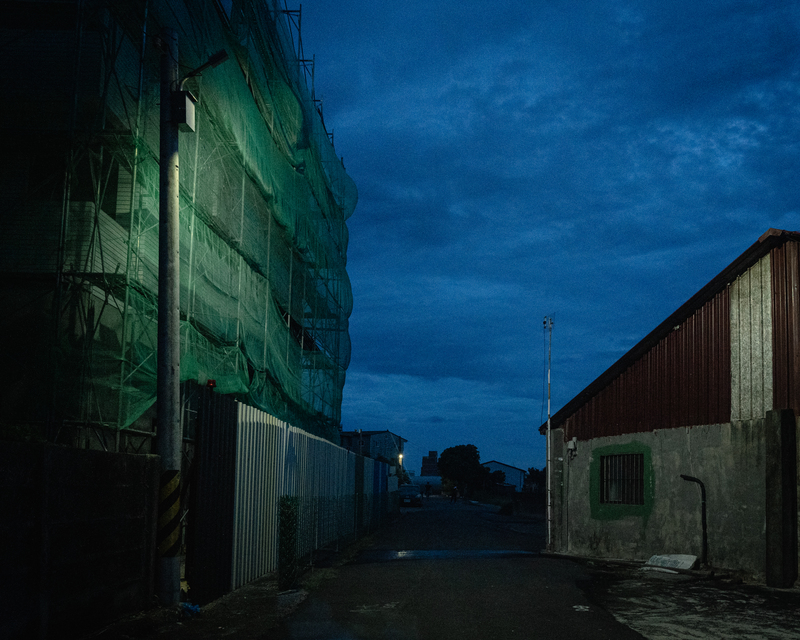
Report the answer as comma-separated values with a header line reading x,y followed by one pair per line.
x,y
457,571
464,571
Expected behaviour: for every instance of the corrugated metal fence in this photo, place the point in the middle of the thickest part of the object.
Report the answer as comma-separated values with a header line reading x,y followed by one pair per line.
x,y
341,495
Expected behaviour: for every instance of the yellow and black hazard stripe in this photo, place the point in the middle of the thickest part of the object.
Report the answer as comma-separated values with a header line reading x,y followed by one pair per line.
x,y
169,515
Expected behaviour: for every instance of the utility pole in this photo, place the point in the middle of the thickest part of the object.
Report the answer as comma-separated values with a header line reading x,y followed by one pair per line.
x,y
177,113
548,326
170,437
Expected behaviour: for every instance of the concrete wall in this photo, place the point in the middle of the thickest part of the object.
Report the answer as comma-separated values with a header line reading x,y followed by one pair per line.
x,y
78,538
728,458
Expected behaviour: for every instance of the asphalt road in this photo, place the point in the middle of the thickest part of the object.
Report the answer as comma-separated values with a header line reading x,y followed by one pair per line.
x,y
457,571
464,571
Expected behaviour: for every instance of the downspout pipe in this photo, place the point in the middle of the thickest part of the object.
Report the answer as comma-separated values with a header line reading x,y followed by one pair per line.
x,y
704,558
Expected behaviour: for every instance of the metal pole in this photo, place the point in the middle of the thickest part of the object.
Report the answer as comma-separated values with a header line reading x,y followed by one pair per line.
x,y
548,324
169,443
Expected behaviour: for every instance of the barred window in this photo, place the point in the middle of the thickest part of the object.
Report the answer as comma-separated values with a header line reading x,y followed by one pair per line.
x,y
622,479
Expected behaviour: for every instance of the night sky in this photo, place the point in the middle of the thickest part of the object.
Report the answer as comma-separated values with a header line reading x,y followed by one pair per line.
x,y
597,162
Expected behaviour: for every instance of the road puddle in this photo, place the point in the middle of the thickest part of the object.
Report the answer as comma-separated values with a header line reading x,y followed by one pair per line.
x,y
390,555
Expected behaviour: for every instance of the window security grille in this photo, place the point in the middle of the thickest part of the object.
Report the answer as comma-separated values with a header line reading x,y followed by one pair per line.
x,y
622,479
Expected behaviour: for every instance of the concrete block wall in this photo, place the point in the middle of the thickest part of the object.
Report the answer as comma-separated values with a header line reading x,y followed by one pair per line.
x,y
728,458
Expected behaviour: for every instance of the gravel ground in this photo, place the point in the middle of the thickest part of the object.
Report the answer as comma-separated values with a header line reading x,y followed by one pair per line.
x,y
694,606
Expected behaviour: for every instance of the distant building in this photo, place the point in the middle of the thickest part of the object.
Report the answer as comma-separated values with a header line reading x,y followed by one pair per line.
x,y
514,476
374,444
430,464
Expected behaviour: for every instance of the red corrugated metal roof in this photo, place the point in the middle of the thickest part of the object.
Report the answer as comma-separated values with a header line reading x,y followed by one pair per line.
x,y
771,239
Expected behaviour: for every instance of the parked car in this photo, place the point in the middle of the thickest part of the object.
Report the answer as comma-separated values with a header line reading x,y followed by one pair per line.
x,y
410,495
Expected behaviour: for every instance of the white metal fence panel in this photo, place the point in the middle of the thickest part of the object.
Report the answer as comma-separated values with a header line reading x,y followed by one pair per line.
x,y
274,459
261,447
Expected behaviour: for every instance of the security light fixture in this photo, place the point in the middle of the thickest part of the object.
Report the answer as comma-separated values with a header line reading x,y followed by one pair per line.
x,y
214,61
572,447
183,101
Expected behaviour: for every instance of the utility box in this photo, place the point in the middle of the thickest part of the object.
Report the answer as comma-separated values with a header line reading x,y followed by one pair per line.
x,y
183,110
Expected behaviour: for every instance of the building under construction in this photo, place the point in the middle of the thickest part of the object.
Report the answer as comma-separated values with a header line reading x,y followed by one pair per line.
x,y
264,295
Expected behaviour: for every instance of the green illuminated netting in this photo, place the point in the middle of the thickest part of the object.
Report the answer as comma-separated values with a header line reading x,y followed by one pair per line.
x,y
265,297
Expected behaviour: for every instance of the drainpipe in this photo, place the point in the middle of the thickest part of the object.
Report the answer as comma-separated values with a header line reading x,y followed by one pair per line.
x,y
704,558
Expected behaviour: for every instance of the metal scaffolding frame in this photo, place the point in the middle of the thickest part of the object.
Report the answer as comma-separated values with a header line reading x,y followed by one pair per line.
x,y
265,298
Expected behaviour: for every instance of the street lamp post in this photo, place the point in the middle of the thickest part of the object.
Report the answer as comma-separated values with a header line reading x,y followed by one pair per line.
x,y
170,436
168,383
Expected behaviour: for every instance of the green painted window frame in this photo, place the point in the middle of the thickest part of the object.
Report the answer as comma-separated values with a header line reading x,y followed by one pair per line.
x,y
615,510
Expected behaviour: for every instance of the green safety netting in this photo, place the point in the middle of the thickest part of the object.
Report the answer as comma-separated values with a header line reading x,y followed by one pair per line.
x,y
265,297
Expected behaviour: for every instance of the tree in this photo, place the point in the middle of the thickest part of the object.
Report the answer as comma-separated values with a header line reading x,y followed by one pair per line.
x,y
536,479
402,476
462,465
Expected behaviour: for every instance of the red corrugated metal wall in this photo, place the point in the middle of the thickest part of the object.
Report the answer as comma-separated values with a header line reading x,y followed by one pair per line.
x,y
785,330
684,380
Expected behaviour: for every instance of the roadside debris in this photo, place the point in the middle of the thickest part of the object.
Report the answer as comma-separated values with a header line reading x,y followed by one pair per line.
x,y
681,562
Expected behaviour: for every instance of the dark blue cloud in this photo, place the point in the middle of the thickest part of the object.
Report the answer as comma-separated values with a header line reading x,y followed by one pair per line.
x,y
596,161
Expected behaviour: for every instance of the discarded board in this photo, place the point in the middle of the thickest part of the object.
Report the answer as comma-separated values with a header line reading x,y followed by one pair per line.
x,y
672,561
